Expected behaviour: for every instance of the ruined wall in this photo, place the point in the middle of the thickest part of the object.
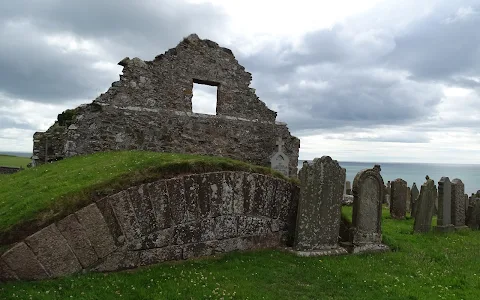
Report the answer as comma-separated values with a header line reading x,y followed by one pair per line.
x,y
173,219
150,108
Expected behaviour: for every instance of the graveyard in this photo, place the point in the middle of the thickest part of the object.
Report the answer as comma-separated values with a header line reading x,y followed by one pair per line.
x,y
135,195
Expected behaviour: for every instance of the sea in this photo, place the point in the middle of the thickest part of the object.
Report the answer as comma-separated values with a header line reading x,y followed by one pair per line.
x,y
469,174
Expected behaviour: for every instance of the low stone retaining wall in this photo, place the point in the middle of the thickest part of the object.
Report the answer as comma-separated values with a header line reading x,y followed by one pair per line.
x,y
174,219
9,170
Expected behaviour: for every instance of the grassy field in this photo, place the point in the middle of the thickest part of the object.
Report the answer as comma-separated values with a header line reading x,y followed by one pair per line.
x,y
14,161
430,266
34,197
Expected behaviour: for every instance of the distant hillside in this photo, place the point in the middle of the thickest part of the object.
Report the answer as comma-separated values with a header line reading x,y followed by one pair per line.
x,y
14,161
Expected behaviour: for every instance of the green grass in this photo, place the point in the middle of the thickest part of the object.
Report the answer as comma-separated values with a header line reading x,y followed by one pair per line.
x,y
430,266
14,161
35,197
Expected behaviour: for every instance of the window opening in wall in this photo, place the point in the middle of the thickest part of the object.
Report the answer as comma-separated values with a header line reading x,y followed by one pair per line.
x,y
204,100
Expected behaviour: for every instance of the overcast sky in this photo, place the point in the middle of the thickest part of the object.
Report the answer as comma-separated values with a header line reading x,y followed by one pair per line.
x,y
376,81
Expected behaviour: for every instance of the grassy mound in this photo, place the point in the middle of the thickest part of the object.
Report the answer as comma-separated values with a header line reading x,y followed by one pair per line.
x,y
35,197
423,266
14,161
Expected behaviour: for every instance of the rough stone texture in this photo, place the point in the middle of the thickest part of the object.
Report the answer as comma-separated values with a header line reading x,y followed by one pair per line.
x,y
398,206
444,214
53,251
96,230
409,200
179,218
348,188
458,204
150,108
425,207
21,260
318,217
9,170
77,238
473,215
368,189
414,196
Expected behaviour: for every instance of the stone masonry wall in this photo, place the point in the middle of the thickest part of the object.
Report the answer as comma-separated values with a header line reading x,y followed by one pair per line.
x,y
150,108
173,219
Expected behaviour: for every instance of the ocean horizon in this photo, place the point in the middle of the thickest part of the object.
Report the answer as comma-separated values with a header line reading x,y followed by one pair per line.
x,y
416,172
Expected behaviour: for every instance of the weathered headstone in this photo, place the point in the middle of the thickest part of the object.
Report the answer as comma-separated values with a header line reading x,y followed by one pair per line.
x,y
444,214
458,204
409,200
398,205
425,207
387,193
368,193
348,187
473,219
280,160
318,216
414,195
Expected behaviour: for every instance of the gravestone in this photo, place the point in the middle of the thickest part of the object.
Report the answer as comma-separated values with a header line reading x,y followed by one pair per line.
x,y
414,195
473,219
409,200
318,215
425,207
348,187
387,200
368,193
280,160
387,193
398,205
444,214
458,204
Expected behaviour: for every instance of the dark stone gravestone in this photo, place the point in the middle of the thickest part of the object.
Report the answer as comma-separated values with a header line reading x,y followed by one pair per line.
x,y
425,207
458,204
473,218
368,193
414,195
444,214
318,216
398,206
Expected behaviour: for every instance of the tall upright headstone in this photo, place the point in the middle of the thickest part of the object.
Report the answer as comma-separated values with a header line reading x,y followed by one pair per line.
x,y
368,194
473,218
409,200
444,214
318,215
398,205
458,204
425,207
280,161
414,195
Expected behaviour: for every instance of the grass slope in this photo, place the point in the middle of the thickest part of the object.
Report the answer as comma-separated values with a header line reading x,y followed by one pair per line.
x,y
34,197
430,266
14,161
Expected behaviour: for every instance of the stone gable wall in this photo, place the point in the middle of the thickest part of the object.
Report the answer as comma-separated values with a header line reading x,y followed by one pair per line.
x,y
173,219
150,108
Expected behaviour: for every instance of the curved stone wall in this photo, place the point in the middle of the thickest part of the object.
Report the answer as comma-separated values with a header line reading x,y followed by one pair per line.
x,y
173,219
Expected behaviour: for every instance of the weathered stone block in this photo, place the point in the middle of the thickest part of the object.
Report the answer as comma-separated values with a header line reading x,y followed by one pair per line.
x,y
6,273
143,208
153,256
156,239
248,225
249,191
21,259
191,197
77,238
199,249
194,232
458,203
238,193
119,260
96,229
160,203
228,185
225,227
204,195
444,214
414,196
108,214
53,251
176,196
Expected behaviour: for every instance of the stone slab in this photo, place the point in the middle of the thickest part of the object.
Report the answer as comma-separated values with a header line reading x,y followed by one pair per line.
x,y
6,273
53,252
97,230
77,238
160,203
326,252
21,259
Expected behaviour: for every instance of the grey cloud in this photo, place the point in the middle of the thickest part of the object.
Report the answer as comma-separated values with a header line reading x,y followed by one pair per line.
x,y
32,69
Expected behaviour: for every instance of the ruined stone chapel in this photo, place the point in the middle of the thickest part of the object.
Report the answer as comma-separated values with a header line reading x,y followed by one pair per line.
x,y
150,108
